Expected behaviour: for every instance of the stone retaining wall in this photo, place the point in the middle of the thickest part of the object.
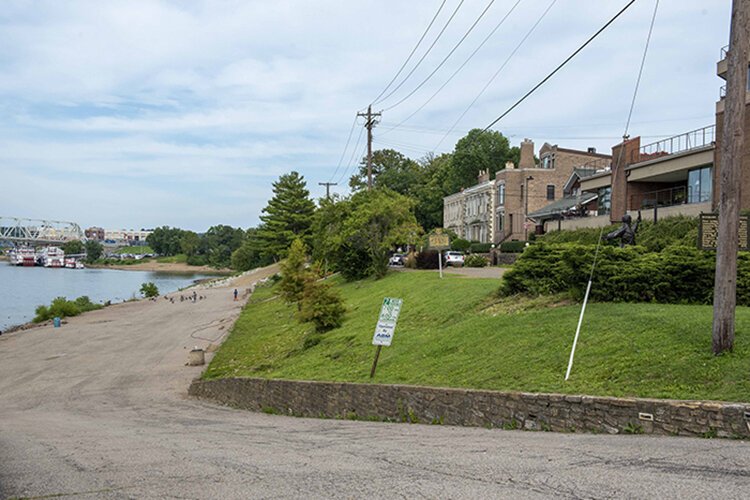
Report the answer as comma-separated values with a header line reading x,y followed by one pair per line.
x,y
509,410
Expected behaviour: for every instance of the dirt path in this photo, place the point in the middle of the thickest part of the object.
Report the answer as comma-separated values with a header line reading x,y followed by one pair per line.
x,y
167,267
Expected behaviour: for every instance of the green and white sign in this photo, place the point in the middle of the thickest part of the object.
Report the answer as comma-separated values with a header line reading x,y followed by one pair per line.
x,y
387,322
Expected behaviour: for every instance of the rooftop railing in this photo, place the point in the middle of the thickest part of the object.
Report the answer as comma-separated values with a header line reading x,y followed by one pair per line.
x,y
688,141
723,53
598,164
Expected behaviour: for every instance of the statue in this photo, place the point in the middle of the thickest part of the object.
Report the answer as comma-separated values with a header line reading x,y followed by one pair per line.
x,y
626,232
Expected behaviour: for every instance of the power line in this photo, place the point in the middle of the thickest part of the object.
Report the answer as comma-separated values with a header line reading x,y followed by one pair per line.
x,y
497,26
499,70
640,71
423,55
455,47
351,158
558,68
412,52
343,153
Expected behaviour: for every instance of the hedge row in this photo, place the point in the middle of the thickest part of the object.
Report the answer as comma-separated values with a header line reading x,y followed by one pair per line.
x,y
676,275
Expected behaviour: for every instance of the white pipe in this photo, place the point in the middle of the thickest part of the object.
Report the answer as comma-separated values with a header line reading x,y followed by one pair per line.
x,y
578,330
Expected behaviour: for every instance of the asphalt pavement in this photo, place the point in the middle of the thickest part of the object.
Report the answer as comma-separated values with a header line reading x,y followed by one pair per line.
x,y
99,409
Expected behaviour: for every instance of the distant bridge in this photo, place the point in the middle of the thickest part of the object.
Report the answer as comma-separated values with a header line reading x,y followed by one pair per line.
x,y
38,231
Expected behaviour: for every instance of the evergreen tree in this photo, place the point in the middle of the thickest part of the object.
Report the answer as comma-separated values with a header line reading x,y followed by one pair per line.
x,y
294,273
288,215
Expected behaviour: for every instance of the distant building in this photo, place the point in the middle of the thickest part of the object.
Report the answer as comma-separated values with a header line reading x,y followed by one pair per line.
x,y
95,233
127,236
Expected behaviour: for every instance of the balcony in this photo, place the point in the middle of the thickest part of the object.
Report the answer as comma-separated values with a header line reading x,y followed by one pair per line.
x,y
689,141
661,198
721,66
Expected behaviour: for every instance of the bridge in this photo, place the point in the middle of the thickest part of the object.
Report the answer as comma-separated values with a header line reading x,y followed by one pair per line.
x,y
38,232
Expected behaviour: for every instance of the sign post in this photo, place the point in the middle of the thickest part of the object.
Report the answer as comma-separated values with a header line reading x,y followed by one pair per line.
x,y
385,328
708,232
440,242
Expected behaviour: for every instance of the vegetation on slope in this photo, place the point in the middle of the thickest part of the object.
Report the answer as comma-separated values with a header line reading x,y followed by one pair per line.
x,y
455,333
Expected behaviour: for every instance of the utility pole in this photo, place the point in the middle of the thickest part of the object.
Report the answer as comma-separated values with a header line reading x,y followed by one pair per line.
x,y
370,121
328,185
732,139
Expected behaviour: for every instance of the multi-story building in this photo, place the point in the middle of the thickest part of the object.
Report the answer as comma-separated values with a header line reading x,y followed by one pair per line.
x,y
127,236
674,176
95,233
496,210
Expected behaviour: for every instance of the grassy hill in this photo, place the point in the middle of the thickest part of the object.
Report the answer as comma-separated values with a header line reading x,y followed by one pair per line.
x,y
455,333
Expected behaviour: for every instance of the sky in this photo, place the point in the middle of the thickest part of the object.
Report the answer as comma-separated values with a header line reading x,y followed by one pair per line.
x,y
143,113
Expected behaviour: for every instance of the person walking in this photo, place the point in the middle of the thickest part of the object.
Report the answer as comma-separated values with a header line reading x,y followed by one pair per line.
x,y
235,295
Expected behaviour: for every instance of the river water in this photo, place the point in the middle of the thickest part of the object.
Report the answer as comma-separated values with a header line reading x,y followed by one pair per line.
x,y
22,289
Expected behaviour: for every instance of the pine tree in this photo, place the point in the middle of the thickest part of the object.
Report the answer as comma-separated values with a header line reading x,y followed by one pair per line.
x,y
288,215
294,273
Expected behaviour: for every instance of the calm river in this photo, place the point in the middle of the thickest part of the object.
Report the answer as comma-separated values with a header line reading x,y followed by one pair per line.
x,y
22,289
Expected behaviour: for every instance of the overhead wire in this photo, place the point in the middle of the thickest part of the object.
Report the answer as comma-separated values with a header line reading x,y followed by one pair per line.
x,y
429,49
440,65
491,33
351,159
499,70
343,153
412,52
561,65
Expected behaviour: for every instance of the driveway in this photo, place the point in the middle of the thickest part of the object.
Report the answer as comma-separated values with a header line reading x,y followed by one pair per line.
x,y
98,409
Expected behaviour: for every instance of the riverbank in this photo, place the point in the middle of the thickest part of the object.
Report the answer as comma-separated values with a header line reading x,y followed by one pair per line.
x,y
164,267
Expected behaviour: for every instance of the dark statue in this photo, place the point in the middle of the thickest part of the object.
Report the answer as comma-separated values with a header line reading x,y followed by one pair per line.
x,y
626,232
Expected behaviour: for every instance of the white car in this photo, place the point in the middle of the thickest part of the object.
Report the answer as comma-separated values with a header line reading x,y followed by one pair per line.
x,y
397,259
454,259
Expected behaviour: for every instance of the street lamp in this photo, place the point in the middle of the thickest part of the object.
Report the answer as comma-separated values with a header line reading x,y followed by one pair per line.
x,y
526,209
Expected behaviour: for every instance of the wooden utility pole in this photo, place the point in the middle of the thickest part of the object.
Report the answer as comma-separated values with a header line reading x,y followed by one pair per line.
x,y
370,122
328,186
732,139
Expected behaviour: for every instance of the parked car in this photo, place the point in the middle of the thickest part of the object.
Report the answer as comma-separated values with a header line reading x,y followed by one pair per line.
x,y
454,259
397,259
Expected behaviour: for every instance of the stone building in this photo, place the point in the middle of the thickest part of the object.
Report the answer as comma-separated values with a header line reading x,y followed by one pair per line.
x,y
496,210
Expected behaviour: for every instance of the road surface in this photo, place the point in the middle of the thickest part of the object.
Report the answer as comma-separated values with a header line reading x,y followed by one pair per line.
x,y
98,409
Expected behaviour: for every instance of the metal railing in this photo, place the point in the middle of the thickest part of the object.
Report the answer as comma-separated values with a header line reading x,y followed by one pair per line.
x,y
723,52
680,143
662,198
722,92
598,164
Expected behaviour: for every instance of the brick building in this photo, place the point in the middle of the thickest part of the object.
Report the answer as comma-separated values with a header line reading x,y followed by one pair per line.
x,y
496,210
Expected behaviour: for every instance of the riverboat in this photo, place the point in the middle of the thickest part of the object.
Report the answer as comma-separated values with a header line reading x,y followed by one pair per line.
x,y
53,257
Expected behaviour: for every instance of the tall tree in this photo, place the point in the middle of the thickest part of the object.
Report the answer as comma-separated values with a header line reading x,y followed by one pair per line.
x,y
478,150
288,215
221,241
94,250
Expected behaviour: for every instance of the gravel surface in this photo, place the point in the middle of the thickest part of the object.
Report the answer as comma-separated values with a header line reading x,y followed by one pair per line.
x,y
98,409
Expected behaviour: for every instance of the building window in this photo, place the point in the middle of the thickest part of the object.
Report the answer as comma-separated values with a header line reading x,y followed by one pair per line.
x,y
605,200
501,195
700,184
550,192
500,220
548,161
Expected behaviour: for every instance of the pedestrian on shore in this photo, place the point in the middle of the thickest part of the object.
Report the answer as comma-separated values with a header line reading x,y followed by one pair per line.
x,y
235,295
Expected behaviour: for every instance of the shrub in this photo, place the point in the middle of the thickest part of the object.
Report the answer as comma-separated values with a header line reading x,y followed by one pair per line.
x,y
321,305
196,260
149,290
460,245
428,259
678,274
293,273
512,246
61,308
481,247
475,260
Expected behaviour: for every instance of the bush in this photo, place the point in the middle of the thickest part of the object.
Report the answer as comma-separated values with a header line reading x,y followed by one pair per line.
x,y
321,305
61,308
481,247
460,245
149,290
475,260
196,260
428,259
677,275
513,246
294,274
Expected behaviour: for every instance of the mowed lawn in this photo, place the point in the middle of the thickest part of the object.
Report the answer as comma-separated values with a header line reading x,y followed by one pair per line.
x,y
455,333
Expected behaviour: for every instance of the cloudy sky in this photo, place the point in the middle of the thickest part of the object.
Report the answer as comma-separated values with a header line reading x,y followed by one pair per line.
x,y
143,113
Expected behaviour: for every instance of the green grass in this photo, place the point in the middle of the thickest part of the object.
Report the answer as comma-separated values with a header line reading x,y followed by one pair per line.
x,y
453,333
137,250
180,258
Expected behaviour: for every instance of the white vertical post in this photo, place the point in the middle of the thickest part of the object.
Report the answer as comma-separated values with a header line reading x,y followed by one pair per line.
x,y
440,263
578,330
